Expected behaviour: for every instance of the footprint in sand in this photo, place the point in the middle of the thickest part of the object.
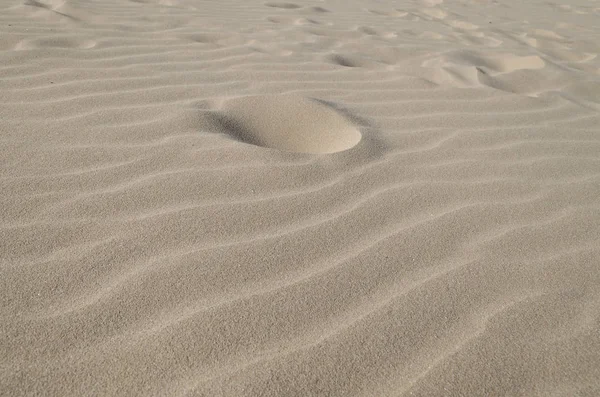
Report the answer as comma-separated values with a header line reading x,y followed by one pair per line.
x,y
462,25
348,60
283,20
215,38
506,72
55,42
52,6
286,6
478,38
168,3
319,10
434,13
371,32
392,13
432,3
547,35
367,30
287,122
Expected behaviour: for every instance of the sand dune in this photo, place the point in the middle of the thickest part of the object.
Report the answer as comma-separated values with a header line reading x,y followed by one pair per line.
x,y
320,198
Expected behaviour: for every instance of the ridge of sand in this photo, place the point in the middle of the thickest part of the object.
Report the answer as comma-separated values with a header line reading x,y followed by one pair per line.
x,y
319,198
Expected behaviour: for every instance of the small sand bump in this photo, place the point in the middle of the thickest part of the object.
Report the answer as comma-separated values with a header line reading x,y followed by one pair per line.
x,y
290,123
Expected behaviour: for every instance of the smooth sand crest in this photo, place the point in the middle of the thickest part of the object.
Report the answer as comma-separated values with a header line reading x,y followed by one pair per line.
x,y
317,198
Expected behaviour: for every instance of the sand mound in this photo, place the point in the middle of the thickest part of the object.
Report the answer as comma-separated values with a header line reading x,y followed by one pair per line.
x,y
289,122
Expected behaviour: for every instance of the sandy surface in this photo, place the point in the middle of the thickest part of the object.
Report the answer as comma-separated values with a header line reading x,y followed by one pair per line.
x,y
320,198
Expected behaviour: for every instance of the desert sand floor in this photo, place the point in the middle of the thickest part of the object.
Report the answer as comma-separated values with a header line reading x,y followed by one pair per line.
x,y
308,198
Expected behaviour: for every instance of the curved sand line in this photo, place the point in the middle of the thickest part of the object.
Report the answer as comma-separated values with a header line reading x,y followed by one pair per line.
x,y
447,247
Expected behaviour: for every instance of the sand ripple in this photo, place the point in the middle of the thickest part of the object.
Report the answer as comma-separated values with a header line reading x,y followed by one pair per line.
x,y
330,198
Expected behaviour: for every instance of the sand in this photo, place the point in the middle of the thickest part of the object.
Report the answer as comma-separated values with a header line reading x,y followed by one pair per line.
x,y
308,198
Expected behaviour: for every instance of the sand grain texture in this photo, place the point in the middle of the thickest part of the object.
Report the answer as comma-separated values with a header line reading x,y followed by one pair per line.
x,y
320,198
